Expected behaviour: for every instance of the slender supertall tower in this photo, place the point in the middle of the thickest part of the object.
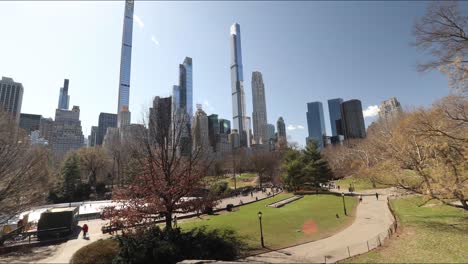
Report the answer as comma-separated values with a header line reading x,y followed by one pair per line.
x,y
259,114
64,98
237,85
123,111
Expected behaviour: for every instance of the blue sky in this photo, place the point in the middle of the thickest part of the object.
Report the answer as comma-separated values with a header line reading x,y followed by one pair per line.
x,y
307,51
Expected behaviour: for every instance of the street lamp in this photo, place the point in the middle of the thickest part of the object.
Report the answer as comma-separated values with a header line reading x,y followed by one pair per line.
x,y
261,228
344,204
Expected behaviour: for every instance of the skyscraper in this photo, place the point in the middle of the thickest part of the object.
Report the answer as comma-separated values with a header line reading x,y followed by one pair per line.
x,y
271,131
352,120
123,111
224,126
30,122
160,119
259,114
64,98
11,97
281,136
237,86
46,127
200,130
66,133
106,120
186,87
316,122
213,130
334,109
92,137
389,109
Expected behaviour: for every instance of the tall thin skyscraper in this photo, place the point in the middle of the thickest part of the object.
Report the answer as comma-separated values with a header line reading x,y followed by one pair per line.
x,y
64,98
237,87
123,111
11,97
259,114
316,122
334,109
281,134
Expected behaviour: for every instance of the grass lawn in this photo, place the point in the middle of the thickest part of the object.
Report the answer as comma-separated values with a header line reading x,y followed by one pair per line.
x,y
359,184
432,233
283,226
242,180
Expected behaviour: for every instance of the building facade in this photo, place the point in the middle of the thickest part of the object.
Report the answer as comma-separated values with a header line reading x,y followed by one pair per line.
x,y
316,123
64,98
200,131
123,110
390,109
271,131
352,121
30,122
259,114
237,87
281,140
160,120
93,136
106,120
334,110
11,97
224,126
66,133
46,127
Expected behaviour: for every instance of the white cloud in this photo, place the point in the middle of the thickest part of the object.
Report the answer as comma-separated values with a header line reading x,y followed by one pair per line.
x,y
294,127
138,21
208,106
371,111
154,40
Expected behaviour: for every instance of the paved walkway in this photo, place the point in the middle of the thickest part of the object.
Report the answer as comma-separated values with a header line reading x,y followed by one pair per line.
x,y
62,253
373,218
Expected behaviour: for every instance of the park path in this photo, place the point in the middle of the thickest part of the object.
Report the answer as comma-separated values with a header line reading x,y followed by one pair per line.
x,y
65,251
373,218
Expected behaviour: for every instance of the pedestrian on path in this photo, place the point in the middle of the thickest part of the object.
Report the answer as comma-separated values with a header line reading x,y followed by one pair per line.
x,y
360,198
377,195
85,230
175,221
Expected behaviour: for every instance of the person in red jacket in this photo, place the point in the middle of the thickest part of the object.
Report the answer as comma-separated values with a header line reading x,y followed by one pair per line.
x,y
85,230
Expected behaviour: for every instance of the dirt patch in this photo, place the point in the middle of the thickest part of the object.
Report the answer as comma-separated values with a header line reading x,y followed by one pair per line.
x,y
309,227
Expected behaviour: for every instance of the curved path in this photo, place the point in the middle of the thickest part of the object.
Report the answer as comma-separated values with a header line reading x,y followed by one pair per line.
x,y
373,217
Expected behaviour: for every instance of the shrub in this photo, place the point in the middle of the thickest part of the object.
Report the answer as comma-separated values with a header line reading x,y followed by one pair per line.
x,y
160,246
101,251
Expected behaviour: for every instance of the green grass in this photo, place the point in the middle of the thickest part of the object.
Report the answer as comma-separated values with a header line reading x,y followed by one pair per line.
x,y
242,180
282,226
101,251
432,233
359,184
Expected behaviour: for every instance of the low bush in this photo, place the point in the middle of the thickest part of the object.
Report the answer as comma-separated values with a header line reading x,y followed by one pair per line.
x,y
160,246
101,251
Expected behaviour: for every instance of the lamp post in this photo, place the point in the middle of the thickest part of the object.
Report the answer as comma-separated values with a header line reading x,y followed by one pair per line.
x,y
344,204
261,228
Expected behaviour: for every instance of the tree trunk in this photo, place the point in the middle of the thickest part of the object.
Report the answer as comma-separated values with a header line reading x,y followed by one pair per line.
x,y
168,216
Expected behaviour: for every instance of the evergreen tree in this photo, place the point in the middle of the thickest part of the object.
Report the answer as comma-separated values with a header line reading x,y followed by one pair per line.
x,y
71,176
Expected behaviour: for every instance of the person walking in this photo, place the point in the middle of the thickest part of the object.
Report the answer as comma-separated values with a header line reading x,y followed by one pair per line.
x,y
360,198
377,195
175,221
85,230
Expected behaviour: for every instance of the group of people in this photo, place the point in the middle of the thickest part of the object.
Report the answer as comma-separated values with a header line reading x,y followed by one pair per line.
x,y
376,196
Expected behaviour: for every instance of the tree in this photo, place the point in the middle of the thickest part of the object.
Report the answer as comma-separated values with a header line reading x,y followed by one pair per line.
x,y
265,164
24,170
305,168
442,32
166,179
70,175
92,161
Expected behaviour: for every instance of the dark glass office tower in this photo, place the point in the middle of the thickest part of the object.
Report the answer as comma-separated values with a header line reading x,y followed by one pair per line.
x,y
106,120
334,109
316,122
352,120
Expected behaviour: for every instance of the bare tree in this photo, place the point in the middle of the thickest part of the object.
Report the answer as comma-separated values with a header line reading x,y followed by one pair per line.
x,y
166,179
442,32
92,160
265,164
24,173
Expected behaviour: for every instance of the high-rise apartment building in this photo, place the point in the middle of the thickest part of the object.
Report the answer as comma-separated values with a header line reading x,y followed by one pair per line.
x,y
271,131
160,120
259,114
64,98
123,110
46,126
352,119
213,130
281,133
201,130
66,133
390,109
224,126
334,110
106,120
234,139
316,123
93,136
30,122
11,97
237,87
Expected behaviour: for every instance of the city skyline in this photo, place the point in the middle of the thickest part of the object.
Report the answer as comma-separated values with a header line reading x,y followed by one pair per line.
x,y
207,93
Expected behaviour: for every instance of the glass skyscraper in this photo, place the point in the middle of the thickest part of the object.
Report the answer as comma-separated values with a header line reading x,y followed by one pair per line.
x,y
125,66
316,122
237,87
334,109
64,98
352,119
